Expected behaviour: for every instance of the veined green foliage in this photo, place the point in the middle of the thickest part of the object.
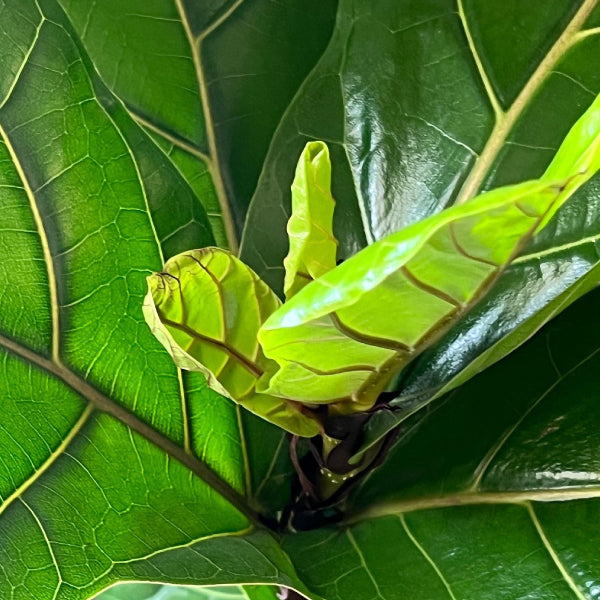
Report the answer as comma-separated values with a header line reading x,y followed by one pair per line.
x,y
116,467
206,307
333,342
312,243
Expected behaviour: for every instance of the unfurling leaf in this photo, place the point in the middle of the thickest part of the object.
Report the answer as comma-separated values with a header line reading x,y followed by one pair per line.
x,y
312,243
206,308
336,342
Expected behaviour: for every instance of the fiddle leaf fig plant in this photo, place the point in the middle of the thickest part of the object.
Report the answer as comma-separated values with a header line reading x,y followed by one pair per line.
x,y
299,297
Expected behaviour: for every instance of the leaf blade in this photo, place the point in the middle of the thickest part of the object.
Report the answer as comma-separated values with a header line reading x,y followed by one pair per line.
x,y
206,308
409,268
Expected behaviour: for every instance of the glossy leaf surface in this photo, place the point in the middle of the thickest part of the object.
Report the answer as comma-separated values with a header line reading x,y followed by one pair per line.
x,y
563,261
578,153
206,308
312,244
333,343
402,133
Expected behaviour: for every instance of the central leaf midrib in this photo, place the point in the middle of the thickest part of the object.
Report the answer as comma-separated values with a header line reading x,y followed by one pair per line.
x,y
466,498
105,404
212,163
221,345
506,121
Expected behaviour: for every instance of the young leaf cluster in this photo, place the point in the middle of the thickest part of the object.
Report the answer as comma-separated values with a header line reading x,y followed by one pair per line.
x,y
346,331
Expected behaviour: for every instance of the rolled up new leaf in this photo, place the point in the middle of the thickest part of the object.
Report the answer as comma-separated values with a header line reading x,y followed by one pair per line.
x,y
312,243
206,308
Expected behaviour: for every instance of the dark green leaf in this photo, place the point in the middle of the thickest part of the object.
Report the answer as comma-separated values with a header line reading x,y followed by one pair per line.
x,y
562,263
404,116
108,456
177,66
532,550
492,493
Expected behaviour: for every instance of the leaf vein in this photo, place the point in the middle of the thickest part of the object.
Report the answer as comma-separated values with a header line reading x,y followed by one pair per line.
x,y
50,549
505,124
552,552
363,563
478,62
214,166
24,63
426,556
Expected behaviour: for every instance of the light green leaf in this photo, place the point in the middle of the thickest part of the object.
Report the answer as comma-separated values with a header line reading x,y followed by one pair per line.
x,y
312,243
578,153
333,342
206,308
434,271
129,591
